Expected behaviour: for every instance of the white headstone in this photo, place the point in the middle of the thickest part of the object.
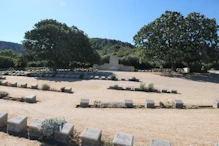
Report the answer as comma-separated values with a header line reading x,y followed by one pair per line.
x,y
122,139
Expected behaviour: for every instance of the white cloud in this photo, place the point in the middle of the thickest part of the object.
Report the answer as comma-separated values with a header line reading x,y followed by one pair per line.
x,y
62,4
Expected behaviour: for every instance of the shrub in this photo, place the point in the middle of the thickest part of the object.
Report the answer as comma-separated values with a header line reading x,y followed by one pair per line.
x,y
113,77
81,76
112,105
142,86
62,89
133,78
45,87
166,104
3,94
22,99
192,107
49,126
106,141
150,86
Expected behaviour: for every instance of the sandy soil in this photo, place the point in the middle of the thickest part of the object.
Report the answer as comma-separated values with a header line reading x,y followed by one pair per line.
x,y
195,127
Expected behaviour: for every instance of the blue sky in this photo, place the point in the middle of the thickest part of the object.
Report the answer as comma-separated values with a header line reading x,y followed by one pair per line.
x,y
113,19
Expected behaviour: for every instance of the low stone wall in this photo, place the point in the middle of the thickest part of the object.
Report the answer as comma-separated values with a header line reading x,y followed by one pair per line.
x,y
118,67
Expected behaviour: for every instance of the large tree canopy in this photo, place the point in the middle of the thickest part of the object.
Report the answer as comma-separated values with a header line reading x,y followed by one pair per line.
x,y
59,44
171,38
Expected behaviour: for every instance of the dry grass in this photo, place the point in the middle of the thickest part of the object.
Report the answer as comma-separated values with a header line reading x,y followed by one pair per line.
x,y
181,127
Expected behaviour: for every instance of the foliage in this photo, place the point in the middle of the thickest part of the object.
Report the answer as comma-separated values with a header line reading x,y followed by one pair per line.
x,y
45,87
166,104
13,46
64,44
173,38
192,107
62,89
49,126
142,86
106,141
112,105
150,86
113,77
3,94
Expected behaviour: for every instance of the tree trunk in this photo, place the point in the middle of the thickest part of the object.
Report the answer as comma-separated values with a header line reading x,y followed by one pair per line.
x,y
173,67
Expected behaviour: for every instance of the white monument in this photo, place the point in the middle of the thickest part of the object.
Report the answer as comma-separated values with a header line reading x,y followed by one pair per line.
x,y
114,65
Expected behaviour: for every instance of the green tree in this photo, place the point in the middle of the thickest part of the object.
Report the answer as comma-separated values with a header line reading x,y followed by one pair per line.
x,y
173,39
57,43
201,39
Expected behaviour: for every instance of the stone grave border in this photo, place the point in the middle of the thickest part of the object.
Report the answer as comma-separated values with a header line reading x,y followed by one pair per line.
x,y
20,86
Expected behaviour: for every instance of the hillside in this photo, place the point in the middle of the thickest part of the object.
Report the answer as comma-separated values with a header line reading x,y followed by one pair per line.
x,y
14,46
108,46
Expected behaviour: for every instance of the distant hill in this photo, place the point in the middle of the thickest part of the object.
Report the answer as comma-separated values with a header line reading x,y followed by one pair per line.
x,y
9,45
109,46
103,46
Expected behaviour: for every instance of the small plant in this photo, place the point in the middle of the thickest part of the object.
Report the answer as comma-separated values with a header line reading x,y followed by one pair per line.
x,y
192,107
166,104
3,94
97,103
112,105
142,86
106,141
133,78
22,99
113,77
45,87
62,89
49,126
81,76
150,86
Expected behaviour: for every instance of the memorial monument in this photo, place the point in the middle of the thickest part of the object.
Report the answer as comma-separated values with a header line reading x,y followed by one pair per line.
x,y
114,65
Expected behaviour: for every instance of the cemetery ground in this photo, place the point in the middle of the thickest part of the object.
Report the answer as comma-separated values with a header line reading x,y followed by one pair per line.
x,y
195,127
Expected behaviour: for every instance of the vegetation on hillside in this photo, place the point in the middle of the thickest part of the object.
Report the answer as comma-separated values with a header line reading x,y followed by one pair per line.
x,y
17,48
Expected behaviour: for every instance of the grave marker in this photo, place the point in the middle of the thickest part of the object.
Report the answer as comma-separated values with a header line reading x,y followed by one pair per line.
x,y
84,103
122,139
91,137
64,133
156,142
17,125
34,131
149,103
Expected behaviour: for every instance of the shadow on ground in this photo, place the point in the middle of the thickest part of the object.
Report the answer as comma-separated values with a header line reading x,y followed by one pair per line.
x,y
200,77
86,76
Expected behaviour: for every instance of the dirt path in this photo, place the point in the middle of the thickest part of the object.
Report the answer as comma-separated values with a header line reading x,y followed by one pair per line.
x,y
181,127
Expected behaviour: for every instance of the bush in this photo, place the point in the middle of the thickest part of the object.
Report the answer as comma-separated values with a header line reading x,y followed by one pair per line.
x,y
166,104
112,105
133,78
142,86
49,126
113,77
62,89
45,87
3,94
150,86
106,141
